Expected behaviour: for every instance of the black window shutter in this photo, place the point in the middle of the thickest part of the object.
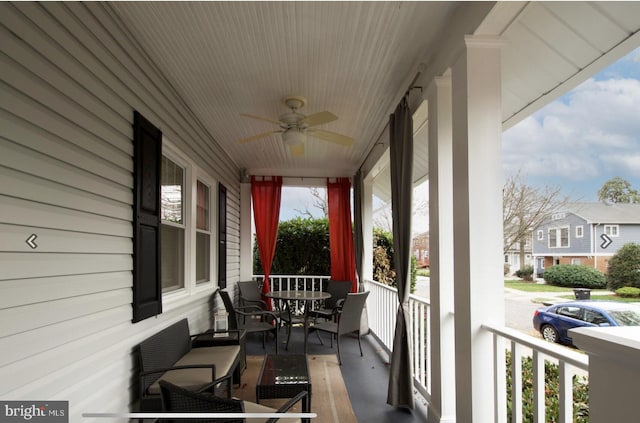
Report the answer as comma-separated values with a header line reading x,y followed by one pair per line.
x,y
147,284
222,236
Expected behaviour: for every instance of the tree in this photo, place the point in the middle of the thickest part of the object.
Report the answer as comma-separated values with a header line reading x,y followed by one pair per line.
x,y
618,190
524,208
320,202
624,267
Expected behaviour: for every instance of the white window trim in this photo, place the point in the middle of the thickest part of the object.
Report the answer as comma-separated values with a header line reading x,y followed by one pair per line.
x,y
617,234
178,297
200,175
580,228
540,235
558,231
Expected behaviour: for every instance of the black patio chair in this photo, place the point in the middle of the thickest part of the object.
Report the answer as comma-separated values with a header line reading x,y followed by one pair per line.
x,y
250,294
348,320
331,306
254,319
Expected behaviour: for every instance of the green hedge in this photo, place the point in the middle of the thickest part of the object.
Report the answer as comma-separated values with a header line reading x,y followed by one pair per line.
x,y
574,276
383,260
302,248
624,267
525,273
628,292
552,389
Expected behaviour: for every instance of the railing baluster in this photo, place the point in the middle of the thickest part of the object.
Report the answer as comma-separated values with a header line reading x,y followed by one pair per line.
x,y
565,393
516,383
538,387
500,379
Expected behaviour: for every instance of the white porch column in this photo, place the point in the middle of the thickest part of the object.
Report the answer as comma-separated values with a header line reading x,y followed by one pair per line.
x,y
246,254
477,223
443,401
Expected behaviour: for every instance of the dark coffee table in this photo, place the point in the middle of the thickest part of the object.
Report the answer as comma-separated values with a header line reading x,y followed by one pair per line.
x,y
284,376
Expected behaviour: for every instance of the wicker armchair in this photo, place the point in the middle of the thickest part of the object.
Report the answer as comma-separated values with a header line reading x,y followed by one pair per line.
x,y
179,400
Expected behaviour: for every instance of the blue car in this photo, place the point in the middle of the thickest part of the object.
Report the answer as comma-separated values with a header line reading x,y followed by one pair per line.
x,y
553,322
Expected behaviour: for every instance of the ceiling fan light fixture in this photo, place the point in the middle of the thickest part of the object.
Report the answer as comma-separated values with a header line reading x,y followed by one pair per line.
x,y
293,136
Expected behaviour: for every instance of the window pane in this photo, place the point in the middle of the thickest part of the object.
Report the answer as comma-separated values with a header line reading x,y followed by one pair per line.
x,y
202,220
564,237
203,243
172,246
552,238
172,191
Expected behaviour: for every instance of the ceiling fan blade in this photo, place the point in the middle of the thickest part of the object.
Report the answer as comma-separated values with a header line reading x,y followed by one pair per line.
x,y
277,122
297,150
332,137
257,137
319,118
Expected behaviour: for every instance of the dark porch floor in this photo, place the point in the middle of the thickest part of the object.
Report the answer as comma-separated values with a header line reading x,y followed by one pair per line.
x,y
366,378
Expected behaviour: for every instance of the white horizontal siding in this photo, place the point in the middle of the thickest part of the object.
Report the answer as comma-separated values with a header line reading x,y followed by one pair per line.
x,y
21,185
28,213
28,161
56,287
14,239
71,79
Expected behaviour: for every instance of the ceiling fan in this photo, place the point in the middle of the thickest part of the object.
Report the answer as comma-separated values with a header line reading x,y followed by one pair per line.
x,y
295,126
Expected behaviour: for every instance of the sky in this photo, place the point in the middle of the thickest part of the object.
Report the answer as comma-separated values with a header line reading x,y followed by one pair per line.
x,y
576,143
584,138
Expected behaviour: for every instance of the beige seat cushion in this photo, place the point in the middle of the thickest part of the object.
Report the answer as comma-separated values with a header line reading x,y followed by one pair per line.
x,y
223,357
252,407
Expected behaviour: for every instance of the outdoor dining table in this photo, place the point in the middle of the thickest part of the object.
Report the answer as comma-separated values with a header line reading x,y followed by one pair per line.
x,y
305,296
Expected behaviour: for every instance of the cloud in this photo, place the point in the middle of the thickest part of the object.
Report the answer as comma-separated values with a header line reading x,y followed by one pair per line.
x,y
591,133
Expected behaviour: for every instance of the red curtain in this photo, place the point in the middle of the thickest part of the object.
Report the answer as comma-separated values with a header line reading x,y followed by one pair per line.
x,y
343,261
265,194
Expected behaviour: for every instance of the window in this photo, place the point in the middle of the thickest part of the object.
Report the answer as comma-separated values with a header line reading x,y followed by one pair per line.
x,y
576,261
579,231
559,237
595,317
611,230
540,235
203,233
173,225
570,311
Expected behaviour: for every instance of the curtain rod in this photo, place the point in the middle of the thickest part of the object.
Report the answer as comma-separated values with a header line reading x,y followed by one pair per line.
x,y
421,68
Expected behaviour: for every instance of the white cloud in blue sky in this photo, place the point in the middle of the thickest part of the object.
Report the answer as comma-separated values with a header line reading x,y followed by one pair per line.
x,y
584,138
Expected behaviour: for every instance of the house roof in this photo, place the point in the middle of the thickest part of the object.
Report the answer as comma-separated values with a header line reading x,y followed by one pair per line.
x,y
607,213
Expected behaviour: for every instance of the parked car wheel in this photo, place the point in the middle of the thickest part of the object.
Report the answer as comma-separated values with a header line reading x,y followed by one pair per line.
x,y
549,333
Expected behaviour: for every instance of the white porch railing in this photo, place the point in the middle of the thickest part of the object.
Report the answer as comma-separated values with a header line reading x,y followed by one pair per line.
x,y
383,300
382,305
570,363
296,283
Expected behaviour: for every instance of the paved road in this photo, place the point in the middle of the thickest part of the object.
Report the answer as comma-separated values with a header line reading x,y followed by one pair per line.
x,y
518,305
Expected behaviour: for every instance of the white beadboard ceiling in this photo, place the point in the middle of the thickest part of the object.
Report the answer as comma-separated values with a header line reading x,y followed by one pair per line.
x,y
356,59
